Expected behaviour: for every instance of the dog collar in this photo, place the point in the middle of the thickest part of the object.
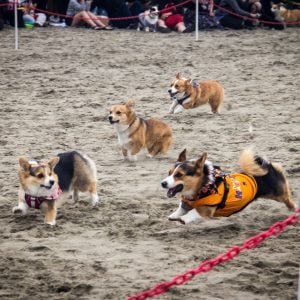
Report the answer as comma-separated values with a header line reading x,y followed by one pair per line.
x,y
35,202
180,101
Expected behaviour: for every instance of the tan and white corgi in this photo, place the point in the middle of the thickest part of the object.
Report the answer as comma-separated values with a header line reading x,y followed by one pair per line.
x,y
208,192
43,185
281,13
135,133
187,93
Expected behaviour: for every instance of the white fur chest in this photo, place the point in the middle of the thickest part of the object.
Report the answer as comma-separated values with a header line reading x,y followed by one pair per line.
x,y
123,135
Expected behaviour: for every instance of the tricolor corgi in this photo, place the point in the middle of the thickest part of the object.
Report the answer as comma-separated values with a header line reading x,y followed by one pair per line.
x,y
43,185
188,93
208,192
135,133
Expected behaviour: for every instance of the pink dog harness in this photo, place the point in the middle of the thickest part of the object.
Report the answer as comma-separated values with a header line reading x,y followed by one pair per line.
x,y
35,202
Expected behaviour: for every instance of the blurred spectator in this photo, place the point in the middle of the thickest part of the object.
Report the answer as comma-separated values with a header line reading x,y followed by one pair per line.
x,y
268,15
135,7
31,16
3,10
171,18
246,8
206,18
59,9
79,13
116,9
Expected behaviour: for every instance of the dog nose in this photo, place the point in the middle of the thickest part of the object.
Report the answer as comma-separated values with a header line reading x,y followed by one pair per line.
x,y
164,184
169,91
51,182
110,118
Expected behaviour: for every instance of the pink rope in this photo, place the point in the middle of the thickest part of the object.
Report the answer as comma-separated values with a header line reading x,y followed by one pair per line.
x,y
208,265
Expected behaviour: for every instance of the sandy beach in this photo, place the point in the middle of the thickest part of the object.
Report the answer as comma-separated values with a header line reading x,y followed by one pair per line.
x,y
56,92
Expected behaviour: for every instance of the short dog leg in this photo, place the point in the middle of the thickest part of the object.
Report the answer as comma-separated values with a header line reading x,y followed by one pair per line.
x,y
22,208
191,216
132,158
172,107
94,194
178,109
75,197
50,216
125,153
177,214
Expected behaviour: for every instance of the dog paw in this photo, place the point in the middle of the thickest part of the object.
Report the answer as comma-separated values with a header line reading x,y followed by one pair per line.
x,y
180,220
51,223
18,210
94,201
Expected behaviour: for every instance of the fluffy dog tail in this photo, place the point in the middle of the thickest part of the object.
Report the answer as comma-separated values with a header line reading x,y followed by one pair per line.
x,y
253,165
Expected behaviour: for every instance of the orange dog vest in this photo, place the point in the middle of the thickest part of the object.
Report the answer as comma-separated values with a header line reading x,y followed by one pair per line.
x,y
241,191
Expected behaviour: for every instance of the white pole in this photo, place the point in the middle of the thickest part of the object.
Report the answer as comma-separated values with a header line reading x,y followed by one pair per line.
x,y
16,26
197,20
299,286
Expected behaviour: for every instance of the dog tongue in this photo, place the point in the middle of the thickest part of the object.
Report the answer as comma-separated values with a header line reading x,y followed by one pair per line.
x,y
171,192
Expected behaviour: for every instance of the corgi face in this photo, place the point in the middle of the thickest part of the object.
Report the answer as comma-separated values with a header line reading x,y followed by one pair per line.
x,y
180,86
276,8
122,114
38,179
186,177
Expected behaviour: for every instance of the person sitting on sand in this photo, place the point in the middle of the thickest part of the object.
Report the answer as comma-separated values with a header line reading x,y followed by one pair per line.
x,y
78,14
246,8
171,16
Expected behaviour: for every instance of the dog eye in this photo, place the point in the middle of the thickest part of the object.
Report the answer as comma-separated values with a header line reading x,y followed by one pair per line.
x,y
176,86
118,112
40,175
178,175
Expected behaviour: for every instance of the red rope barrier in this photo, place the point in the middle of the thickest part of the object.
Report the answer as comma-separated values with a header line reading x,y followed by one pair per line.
x,y
208,265
251,19
161,11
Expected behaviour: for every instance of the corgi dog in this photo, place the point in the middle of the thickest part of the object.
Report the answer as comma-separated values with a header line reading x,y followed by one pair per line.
x,y
43,185
148,20
135,133
188,93
207,192
281,13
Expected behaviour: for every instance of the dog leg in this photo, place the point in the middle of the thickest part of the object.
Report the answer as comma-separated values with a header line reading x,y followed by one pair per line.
x,y
178,109
22,208
132,158
93,193
50,215
191,216
172,107
178,213
75,197
124,153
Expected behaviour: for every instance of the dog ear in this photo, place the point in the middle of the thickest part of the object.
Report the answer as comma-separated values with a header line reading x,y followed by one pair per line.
x,y
201,161
53,162
182,156
130,104
188,81
24,164
178,76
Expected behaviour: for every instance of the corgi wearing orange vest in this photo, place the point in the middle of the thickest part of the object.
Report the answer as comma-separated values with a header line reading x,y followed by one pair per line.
x,y
206,191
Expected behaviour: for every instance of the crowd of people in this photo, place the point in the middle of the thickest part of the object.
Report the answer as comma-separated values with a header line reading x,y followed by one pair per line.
x,y
173,16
